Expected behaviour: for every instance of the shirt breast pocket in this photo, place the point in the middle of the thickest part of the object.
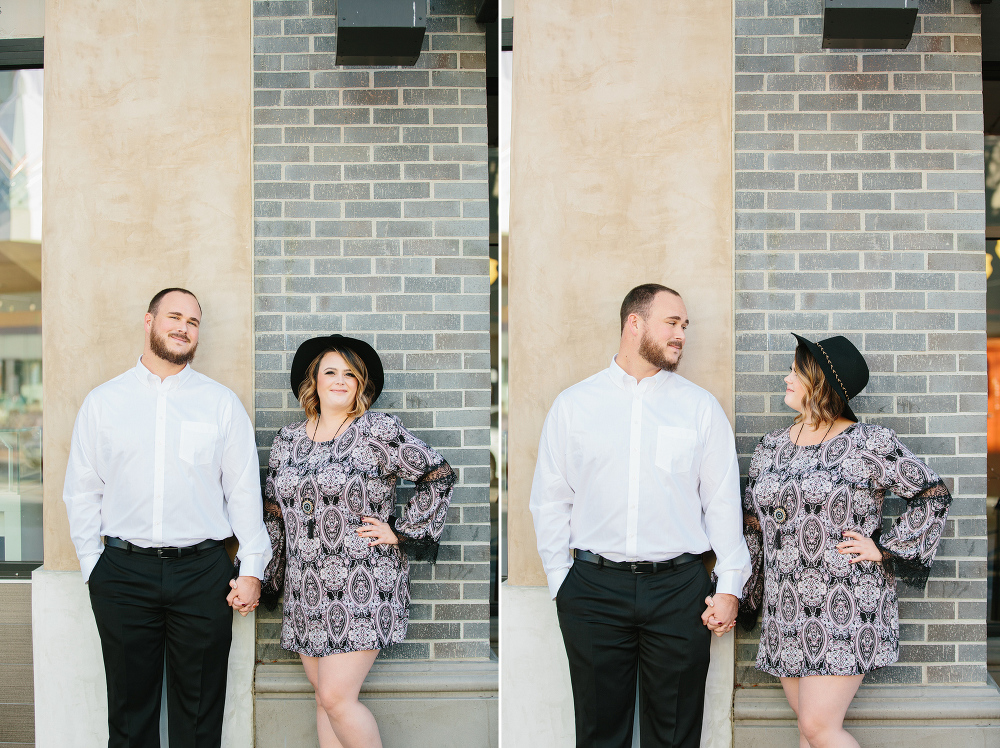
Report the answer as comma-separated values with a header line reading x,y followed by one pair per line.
x,y
198,442
675,448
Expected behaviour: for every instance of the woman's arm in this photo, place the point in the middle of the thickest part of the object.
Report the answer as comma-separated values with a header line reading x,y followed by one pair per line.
x,y
422,522
908,548
273,584
753,590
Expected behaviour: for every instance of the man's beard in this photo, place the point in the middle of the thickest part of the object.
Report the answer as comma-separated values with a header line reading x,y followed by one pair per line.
x,y
655,356
158,345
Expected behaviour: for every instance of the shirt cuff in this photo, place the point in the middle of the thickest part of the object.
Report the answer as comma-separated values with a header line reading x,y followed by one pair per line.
x,y
556,578
252,565
87,564
730,583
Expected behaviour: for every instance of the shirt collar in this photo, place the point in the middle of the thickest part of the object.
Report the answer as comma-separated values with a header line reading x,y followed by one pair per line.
x,y
149,379
628,383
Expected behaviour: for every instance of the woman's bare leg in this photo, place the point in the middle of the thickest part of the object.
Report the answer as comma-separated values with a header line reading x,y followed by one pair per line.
x,y
327,737
791,688
341,720
822,704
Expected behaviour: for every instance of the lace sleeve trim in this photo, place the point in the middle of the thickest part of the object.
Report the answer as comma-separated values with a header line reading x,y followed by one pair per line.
x,y
273,585
419,549
753,590
916,571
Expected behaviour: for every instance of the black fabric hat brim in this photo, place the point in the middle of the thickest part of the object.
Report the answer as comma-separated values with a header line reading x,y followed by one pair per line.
x,y
831,377
313,347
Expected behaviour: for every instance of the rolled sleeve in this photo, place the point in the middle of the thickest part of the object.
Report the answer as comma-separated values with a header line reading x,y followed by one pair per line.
x,y
551,501
241,487
87,564
83,490
555,578
722,505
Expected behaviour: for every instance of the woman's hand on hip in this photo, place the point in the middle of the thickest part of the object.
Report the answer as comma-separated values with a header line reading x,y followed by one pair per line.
x,y
380,532
857,543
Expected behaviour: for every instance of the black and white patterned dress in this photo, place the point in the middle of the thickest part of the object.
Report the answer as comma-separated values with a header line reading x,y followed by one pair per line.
x,y
821,615
340,593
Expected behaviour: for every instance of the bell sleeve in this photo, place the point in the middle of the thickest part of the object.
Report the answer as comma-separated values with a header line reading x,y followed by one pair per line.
x,y
273,584
422,522
753,590
908,548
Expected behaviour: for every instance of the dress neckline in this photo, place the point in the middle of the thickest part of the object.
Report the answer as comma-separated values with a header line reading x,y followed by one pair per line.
x,y
305,430
788,435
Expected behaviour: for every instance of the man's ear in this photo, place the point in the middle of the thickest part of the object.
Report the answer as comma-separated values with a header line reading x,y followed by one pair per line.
x,y
148,321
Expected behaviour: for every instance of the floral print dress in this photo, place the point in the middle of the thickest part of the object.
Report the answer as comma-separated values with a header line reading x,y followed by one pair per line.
x,y
340,593
821,615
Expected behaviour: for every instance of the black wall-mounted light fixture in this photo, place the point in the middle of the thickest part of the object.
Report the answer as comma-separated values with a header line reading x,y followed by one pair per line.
x,y
868,24
380,32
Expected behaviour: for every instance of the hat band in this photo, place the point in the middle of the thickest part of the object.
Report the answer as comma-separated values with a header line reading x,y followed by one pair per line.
x,y
842,387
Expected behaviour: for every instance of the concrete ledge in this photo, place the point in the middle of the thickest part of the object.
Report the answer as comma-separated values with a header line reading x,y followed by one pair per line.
x,y
429,704
910,716
476,678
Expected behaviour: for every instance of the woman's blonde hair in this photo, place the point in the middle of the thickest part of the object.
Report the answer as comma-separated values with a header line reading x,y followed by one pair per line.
x,y
820,402
309,398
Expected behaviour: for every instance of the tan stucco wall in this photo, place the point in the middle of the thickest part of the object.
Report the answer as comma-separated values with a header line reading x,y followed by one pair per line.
x,y
146,185
621,173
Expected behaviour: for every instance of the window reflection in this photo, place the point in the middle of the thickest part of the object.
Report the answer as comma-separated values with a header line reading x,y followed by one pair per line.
x,y
20,321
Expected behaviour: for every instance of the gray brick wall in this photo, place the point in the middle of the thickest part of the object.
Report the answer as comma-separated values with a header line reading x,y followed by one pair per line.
x,y
860,211
370,189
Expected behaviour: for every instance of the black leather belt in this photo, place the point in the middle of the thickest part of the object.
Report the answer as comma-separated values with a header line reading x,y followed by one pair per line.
x,y
169,552
637,567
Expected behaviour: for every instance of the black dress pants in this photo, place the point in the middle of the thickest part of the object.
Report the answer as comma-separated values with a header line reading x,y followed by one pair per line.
x,y
622,628
147,607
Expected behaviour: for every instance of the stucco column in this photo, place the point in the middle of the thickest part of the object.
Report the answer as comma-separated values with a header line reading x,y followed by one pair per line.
x,y
621,173
146,185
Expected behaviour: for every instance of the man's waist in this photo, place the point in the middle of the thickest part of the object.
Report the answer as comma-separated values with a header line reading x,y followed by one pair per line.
x,y
163,551
636,567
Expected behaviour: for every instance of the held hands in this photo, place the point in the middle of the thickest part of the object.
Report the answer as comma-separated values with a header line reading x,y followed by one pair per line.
x,y
865,548
720,615
245,594
379,532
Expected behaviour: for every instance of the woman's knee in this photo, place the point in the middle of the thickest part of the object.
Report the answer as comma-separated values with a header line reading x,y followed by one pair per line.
x,y
334,702
814,725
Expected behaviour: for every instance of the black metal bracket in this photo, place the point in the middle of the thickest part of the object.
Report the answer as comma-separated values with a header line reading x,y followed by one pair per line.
x,y
380,32
868,24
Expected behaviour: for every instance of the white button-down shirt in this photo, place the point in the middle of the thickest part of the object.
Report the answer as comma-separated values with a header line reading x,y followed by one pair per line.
x,y
638,471
164,463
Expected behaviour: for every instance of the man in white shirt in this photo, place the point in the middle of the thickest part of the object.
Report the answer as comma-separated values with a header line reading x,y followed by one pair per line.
x,y
163,465
636,477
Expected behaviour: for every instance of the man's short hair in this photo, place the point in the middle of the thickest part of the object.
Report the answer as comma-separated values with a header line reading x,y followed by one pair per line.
x,y
637,300
154,303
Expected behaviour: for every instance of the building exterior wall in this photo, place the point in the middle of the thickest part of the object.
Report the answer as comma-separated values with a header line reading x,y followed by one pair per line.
x,y
860,211
371,220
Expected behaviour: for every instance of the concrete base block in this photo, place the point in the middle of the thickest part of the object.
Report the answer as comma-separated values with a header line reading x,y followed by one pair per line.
x,y
71,707
538,698
886,716
438,704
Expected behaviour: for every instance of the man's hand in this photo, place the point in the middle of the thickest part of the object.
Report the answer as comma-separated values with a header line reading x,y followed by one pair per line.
x,y
245,594
720,615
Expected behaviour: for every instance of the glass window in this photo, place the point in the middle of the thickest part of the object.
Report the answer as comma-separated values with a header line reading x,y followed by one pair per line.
x,y
20,322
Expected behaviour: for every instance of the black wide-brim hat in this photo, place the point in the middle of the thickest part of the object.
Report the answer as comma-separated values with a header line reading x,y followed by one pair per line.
x,y
313,347
843,365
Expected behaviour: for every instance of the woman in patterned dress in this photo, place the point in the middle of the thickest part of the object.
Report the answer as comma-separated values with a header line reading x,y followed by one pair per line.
x,y
328,503
825,575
